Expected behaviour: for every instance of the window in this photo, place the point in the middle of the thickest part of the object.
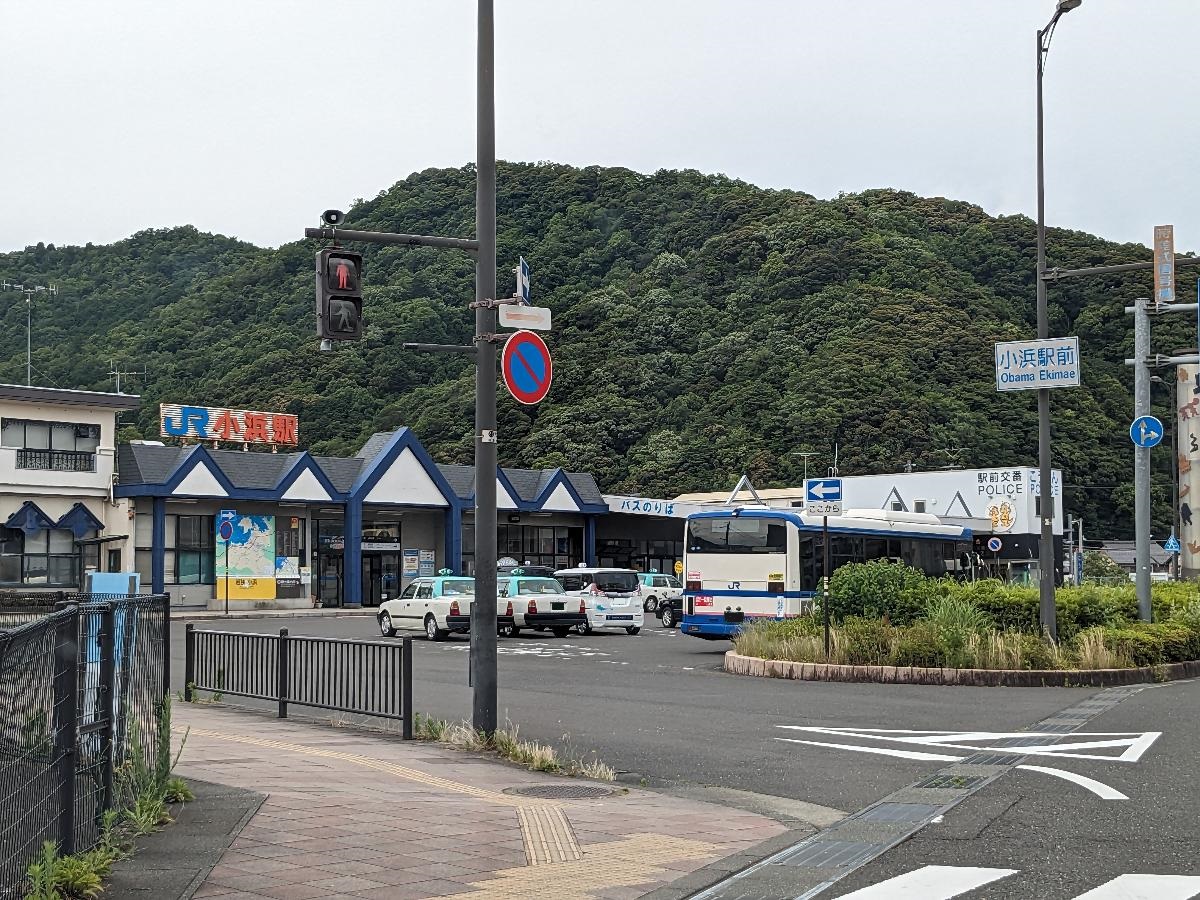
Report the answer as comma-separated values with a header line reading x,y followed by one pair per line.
x,y
736,535
44,558
409,592
919,506
52,446
424,591
897,506
572,582
195,552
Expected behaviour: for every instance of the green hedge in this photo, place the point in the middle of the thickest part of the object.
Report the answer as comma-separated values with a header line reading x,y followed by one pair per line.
x,y
1154,643
900,595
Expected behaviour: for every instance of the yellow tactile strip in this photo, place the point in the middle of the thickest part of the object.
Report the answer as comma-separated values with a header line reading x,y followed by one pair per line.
x,y
622,863
416,775
547,835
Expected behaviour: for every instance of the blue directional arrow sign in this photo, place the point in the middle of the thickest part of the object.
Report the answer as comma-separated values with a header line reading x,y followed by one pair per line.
x,y
1146,432
823,496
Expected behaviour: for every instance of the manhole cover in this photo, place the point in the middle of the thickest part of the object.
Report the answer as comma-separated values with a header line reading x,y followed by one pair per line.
x,y
562,791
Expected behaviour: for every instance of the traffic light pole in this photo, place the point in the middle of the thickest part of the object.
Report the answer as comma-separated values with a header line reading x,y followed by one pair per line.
x,y
484,697
483,610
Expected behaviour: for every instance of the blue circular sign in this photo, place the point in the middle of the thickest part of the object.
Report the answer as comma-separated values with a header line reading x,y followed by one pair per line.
x,y
995,544
526,367
226,530
1146,432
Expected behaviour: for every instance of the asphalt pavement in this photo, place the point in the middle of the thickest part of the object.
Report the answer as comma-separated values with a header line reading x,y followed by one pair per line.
x,y
658,707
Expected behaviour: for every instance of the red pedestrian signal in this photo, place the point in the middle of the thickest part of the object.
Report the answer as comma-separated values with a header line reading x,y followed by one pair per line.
x,y
339,295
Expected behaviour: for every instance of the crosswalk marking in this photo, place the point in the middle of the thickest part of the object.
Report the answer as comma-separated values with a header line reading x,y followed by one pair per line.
x,y
1146,887
931,883
944,882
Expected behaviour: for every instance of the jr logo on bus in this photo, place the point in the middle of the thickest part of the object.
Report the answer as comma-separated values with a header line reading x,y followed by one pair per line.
x,y
735,585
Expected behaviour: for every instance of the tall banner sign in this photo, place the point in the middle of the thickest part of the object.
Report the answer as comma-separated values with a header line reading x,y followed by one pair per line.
x,y
1164,263
1187,455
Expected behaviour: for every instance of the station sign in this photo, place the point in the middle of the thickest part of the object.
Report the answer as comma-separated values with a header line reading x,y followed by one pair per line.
x,y
213,423
1030,365
1164,264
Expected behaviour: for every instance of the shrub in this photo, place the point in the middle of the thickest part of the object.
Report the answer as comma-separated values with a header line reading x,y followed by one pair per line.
x,y
878,590
1151,644
1186,614
919,645
1090,650
868,642
958,624
1010,607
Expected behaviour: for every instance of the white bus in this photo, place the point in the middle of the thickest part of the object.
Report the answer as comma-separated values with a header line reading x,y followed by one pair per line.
x,y
755,562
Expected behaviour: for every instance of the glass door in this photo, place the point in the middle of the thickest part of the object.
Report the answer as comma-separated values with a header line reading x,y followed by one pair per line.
x,y
329,588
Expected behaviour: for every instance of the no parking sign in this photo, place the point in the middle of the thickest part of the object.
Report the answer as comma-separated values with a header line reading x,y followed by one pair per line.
x,y
526,367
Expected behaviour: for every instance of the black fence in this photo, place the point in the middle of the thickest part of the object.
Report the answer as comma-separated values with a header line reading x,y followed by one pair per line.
x,y
371,678
83,679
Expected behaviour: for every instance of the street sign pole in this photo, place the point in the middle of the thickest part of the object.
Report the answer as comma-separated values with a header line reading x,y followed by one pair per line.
x,y
484,695
1141,458
825,580
227,576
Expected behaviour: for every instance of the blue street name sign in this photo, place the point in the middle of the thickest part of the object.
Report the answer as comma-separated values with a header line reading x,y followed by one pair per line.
x,y
1146,432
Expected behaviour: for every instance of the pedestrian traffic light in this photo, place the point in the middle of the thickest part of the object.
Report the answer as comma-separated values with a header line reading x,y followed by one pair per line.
x,y
339,295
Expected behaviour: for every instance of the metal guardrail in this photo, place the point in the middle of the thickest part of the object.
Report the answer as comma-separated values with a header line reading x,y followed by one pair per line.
x,y
372,678
82,690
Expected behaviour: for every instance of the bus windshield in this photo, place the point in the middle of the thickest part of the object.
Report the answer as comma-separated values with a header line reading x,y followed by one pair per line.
x,y
736,535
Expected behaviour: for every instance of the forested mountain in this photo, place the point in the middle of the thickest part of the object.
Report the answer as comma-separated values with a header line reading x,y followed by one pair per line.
x,y
704,327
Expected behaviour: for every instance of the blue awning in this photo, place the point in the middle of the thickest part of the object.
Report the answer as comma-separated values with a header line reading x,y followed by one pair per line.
x,y
30,519
80,520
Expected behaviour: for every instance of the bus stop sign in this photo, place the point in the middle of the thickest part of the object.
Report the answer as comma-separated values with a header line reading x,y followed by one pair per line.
x,y
526,367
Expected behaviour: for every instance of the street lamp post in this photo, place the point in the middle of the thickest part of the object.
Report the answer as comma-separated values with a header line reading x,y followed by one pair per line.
x,y
1046,545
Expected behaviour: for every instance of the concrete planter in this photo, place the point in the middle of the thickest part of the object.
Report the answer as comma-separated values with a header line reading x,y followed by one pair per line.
x,y
799,671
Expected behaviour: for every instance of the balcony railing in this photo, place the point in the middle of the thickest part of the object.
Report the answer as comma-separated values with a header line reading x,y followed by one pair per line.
x,y
57,460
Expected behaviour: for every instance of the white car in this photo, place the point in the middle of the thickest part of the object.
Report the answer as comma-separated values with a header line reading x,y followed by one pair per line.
x,y
527,601
658,588
613,596
441,605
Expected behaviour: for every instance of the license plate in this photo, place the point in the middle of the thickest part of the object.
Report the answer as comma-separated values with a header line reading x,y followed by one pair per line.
x,y
558,606
620,618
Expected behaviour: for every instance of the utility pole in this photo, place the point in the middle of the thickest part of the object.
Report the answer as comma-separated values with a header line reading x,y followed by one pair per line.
x,y
483,609
484,698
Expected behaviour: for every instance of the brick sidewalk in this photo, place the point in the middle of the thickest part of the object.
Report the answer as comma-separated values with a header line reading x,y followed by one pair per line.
x,y
350,814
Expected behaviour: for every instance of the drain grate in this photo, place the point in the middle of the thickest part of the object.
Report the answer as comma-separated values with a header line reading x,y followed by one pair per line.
x,y
899,812
994,759
562,791
957,782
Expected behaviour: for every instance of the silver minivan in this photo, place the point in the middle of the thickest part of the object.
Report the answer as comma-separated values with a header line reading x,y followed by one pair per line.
x,y
613,596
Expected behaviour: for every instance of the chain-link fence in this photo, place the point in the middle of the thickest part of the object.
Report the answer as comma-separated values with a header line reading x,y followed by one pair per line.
x,y
82,689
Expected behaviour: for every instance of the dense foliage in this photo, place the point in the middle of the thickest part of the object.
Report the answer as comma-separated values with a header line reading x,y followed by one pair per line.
x,y
887,614
704,328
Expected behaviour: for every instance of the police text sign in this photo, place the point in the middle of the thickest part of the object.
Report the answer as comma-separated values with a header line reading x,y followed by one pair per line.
x,y
1029,365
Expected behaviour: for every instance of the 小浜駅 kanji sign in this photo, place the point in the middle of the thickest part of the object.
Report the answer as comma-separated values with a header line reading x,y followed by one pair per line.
x,y
211,423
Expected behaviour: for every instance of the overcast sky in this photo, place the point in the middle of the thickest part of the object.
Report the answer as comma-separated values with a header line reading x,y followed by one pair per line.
x,y
248,117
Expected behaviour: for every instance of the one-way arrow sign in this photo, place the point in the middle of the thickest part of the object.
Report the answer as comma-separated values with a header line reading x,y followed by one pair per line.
x,y
823,496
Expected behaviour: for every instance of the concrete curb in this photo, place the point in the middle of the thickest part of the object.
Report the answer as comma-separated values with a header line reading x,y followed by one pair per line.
x,y
736,664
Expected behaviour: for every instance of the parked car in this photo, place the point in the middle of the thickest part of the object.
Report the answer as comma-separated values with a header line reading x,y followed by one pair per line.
x,y
658,589
442,605
541,571
537,602
613,596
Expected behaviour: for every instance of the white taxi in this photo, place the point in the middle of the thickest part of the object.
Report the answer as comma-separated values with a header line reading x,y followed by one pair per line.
x,y
441,605
613,596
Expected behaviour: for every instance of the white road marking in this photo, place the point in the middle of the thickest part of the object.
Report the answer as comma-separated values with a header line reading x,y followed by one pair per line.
x,y
944,882
1146,887
1040,743
931,883
1099,788
883,751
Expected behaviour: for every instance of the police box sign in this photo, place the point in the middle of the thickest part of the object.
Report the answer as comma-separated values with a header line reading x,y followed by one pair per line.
x,y
1029,365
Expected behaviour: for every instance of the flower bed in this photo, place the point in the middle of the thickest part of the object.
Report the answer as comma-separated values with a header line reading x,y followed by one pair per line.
x,y
891,616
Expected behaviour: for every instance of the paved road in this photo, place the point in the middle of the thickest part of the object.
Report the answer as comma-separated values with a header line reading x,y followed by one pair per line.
x,y
1060,840
657,704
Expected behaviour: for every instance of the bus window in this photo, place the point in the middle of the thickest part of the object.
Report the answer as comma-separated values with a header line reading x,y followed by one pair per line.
x,y
732,535
807,562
